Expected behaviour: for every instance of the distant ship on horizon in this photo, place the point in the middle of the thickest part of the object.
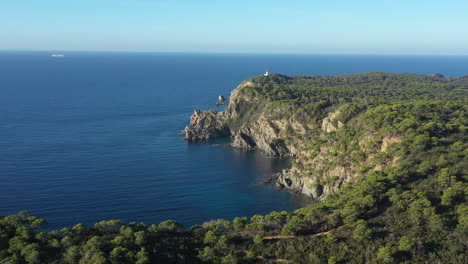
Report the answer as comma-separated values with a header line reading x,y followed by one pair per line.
x,y
58,55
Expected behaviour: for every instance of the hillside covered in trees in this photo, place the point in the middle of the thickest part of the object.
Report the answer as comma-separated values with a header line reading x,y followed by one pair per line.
x,y
384,155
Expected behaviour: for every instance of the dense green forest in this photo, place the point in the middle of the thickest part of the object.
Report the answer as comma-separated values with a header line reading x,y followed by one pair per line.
x,y
408,204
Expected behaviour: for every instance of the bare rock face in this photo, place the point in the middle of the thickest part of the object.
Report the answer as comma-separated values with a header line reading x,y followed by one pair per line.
x,y
300,182
241,140
205,125
263,135
311,183
329,124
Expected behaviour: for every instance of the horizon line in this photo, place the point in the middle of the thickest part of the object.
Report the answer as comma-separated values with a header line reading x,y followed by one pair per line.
x,y
234,52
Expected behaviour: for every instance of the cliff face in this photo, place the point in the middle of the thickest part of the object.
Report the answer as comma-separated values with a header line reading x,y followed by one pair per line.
x,y
325,136
205,125
321,173
247,122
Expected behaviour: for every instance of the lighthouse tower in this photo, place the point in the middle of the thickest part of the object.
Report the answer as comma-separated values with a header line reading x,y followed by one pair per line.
x,y
267,73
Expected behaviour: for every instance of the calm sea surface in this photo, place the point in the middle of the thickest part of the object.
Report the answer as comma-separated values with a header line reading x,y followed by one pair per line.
x,y
94,136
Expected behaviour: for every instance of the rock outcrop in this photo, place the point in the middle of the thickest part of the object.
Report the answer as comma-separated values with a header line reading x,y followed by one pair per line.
x,y
205,125
257,132
326,172
330,124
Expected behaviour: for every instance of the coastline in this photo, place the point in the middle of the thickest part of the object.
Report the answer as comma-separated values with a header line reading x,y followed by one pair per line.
x,y
254,121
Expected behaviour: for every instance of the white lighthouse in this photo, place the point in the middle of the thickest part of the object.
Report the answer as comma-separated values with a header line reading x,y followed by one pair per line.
x,y
266,74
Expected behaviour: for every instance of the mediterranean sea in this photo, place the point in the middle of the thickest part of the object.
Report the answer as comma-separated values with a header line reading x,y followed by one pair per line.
x,y
94,136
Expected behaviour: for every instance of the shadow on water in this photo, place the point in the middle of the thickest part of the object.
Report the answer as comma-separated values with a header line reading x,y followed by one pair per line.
x,y
264,166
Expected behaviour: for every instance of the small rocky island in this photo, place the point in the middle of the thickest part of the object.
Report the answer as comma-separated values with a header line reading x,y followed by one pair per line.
x,y
322,122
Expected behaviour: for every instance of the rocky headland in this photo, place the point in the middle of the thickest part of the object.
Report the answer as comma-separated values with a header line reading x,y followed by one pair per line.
x,y
321,122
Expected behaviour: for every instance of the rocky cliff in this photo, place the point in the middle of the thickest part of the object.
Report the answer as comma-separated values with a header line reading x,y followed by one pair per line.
x,y
205,125
247,122
318,121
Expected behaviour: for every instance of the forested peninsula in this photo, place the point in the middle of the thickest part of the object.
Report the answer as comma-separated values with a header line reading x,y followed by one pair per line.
x,y
383,155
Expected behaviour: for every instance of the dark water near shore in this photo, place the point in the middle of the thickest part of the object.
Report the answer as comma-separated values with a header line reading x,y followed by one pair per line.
x,y
94,136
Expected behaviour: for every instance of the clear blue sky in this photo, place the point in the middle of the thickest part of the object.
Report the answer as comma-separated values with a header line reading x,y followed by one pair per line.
x,y
268,26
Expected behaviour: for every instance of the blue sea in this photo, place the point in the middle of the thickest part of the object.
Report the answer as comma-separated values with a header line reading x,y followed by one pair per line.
x,y
94,136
